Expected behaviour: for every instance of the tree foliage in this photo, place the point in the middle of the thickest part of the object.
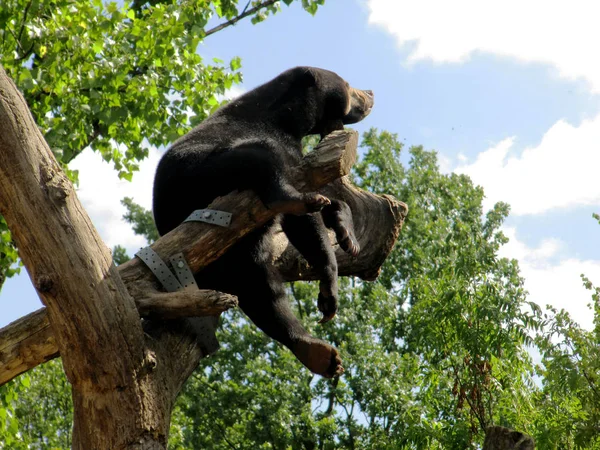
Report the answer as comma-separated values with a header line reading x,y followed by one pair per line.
x,y
117,77
40,410
568,413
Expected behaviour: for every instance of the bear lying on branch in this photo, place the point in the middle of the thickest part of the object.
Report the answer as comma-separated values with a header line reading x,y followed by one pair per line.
x,y
252,143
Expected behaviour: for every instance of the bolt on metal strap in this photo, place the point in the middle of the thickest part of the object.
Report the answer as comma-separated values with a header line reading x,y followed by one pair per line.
x,y
183,272
213,216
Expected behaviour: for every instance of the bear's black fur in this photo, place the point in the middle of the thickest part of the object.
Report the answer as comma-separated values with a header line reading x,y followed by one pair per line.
x,y
250,144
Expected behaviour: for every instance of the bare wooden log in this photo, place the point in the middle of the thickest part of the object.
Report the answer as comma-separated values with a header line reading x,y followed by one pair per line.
x,y
96,325
122,381
29,341
125,378
26,343
500,438
368,210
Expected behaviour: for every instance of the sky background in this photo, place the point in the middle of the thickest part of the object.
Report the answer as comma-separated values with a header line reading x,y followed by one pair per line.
x,y
506,92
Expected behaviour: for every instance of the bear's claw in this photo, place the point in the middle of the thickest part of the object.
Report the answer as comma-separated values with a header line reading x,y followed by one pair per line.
x,y
328,305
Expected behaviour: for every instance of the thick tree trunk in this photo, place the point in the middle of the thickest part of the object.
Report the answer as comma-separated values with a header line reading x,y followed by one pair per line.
x,y
94,319
125,373
500,438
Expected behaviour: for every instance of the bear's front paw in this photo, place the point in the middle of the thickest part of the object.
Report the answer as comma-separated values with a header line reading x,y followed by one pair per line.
x,y
315,202
319,357
300,204
328,305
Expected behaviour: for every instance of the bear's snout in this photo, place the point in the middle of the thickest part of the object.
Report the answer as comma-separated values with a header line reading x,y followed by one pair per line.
x,y
361,103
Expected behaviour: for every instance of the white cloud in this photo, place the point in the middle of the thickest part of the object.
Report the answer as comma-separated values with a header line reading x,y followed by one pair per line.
x,y
556,283
100,191
233,92
563,34
561,171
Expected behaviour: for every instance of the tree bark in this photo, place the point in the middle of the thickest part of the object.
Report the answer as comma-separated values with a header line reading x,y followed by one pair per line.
x,y
26,343
96,325
500,438
125,372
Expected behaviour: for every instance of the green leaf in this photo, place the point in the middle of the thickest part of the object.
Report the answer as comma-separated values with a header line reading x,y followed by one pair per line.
x,y
25,380
235,63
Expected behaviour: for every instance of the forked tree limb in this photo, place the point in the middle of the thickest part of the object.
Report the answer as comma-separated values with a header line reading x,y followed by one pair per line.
x,y
26,344
203,243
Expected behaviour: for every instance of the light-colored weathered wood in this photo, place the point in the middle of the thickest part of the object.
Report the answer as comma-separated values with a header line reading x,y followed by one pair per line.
x,y
96,325
26,343
177,305
377,219
202,243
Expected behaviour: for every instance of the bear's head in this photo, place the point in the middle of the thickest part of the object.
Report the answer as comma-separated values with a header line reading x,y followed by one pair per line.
x,y
308,100
338,103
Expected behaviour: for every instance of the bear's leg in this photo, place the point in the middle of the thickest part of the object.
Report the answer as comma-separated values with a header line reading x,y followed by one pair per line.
x,y
264,301
264,171
338,217
308,234
243,271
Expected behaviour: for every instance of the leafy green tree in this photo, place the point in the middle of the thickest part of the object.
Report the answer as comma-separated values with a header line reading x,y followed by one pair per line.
x,y
568,407
461,307
42,410
117,77
9,422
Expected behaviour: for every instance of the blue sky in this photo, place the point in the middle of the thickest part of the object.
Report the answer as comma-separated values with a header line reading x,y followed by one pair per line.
x,y
507,92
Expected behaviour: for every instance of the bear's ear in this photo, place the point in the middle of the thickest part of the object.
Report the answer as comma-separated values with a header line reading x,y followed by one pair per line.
x,y
308,76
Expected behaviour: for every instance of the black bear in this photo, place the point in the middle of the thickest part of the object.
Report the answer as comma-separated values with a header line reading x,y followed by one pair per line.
x,y
250,143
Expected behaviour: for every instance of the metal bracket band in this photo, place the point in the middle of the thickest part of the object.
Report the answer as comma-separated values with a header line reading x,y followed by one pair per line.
x,y
204,327
159,269
215,217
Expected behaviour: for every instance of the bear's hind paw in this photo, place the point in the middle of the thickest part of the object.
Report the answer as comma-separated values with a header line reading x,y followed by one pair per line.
x,y
319,357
